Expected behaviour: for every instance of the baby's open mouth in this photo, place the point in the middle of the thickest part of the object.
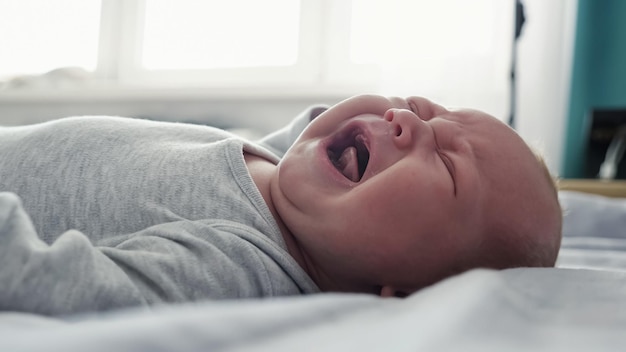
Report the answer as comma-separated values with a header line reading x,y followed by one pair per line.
x,y
350,155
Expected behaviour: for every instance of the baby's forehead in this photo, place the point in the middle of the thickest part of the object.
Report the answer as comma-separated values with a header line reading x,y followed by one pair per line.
x,y
502,156
487,137
473,116
486,127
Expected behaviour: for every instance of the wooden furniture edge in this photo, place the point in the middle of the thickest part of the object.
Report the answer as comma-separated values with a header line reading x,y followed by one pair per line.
x,y
613,188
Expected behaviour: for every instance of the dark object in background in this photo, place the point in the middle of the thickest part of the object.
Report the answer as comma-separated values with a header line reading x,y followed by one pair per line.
x,y
604,127
520,18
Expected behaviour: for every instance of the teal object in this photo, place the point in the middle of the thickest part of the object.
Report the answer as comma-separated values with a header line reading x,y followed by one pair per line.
x,y
599,73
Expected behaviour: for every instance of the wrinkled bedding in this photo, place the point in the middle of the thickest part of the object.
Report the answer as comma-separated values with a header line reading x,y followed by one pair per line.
x,y
578,306
594,232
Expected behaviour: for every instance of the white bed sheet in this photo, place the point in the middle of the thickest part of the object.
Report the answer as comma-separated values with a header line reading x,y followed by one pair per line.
x,y
513,310
594,232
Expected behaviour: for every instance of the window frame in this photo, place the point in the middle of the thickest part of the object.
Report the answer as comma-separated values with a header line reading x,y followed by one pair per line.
x,y
119,55
324,67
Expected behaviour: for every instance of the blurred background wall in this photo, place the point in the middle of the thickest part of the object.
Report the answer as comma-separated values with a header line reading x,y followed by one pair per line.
x,y
598,77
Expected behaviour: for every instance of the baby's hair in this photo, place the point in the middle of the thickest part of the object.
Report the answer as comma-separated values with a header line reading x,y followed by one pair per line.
x,y
549,254
509,246
529,251
552,179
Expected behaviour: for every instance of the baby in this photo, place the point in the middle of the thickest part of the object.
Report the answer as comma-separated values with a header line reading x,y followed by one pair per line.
x,y
376,195
390,195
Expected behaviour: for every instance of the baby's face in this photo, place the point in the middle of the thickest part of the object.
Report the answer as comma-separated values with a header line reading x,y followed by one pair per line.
x,y
396,192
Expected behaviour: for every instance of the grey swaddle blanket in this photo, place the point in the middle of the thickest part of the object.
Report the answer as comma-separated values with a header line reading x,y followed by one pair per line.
x,y
133,212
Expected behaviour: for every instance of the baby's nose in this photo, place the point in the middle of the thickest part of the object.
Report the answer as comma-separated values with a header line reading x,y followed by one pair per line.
x,y
402,125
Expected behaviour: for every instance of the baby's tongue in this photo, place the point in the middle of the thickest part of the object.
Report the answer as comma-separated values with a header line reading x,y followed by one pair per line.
x,y
348,164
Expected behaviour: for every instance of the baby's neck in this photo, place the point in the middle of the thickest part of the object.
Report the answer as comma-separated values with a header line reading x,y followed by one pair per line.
x,y
262,171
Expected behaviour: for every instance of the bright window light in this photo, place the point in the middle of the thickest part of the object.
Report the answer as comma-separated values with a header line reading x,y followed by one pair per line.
x,y
190,34
40,35
456,52
398,31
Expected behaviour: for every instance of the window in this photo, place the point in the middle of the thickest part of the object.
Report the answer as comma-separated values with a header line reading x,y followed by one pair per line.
x,y
227,38
420,30
454,51
211,43
40,35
